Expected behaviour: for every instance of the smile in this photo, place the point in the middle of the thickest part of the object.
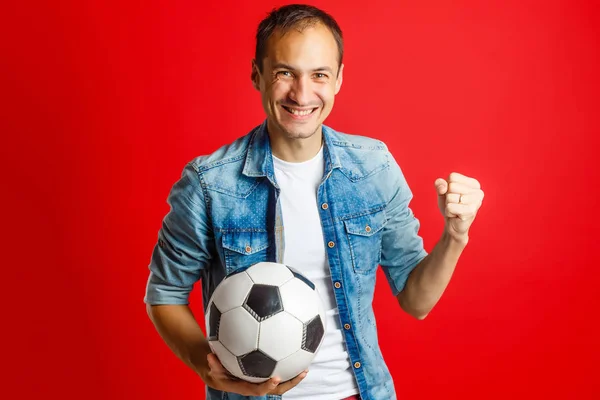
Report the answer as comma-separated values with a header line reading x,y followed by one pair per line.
x,y
300,113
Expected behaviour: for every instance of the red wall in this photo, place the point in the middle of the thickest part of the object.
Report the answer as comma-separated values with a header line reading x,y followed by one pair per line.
x,y
104,103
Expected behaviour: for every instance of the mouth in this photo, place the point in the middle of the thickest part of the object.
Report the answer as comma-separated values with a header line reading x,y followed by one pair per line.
x,y
299,112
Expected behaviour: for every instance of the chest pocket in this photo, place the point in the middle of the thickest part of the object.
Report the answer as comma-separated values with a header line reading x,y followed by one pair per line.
x,y
364,237
243,249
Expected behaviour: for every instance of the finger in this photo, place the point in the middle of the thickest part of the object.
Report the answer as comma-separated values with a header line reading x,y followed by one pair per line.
x,y
285,386
217,369
215,364
268,386
212,358
223,376
460,211
473,198
441,186
455,198
465,180
251,389
460,188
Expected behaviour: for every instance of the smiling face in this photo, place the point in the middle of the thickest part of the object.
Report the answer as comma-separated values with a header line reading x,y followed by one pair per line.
x,y
298,83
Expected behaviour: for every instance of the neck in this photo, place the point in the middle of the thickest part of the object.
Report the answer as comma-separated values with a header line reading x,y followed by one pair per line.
x,y
296,149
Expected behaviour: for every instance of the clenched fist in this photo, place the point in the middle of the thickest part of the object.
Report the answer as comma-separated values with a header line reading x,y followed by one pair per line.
x,y
459,199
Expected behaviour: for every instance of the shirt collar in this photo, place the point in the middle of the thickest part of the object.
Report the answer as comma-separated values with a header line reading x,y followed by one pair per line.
x,y
259,159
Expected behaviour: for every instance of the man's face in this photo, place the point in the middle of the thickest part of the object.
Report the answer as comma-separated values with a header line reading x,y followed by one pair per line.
x,y
299,81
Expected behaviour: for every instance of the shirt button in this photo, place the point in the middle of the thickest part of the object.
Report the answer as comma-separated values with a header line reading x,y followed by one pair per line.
x,y
368,228
324,206
337,285
346,326
331,245
357,365
248,249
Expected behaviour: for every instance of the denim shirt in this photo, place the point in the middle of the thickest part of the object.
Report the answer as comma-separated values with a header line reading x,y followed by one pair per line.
x,y
225,214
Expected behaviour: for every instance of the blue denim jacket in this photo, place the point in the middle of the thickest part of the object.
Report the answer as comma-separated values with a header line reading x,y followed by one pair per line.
x,y
225,215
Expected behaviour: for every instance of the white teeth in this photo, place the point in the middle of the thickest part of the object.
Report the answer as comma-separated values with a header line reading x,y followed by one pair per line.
x,y
300,113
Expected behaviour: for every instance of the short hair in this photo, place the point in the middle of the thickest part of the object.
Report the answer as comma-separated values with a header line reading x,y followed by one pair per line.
x,y
294,16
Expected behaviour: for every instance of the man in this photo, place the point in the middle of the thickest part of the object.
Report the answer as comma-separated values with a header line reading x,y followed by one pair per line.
x,y
295,191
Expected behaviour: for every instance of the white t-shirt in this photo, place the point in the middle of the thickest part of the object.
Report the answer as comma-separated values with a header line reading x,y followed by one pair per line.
x,y
330,375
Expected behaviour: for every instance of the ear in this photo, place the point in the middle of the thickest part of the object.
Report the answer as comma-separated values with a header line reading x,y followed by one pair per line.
x,y
255,76
339,79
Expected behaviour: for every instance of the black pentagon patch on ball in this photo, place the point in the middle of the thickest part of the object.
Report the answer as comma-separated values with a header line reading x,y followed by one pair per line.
x,y
263,301
312,335
214,320
257,364
302,277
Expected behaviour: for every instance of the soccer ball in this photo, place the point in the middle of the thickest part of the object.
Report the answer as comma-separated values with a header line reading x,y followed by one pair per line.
x,y
265,321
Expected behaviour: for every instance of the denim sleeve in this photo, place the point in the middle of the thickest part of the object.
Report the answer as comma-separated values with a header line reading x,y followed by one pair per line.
x,y
401,247
184,245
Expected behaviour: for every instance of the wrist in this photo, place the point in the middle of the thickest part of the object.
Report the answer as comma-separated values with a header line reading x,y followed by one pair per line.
x,y
454,239
198,360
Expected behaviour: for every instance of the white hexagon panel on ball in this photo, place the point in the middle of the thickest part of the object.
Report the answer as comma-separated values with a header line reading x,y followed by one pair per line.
x,y
238,331
280,336
293,365
300,300
268,273
232,291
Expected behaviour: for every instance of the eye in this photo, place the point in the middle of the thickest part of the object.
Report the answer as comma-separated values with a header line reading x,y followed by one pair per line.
x,y
286,74
321,76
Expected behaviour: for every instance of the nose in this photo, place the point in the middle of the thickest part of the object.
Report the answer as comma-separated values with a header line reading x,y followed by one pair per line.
x,y
300,92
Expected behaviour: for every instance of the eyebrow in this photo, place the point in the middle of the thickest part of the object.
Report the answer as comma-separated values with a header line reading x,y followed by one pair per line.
x,y
287,66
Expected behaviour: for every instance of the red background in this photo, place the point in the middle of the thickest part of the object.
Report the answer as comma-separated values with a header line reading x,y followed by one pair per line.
x,y
104,103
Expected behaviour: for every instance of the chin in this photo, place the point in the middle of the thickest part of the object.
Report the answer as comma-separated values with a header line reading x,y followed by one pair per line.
x,y
299,130
296,133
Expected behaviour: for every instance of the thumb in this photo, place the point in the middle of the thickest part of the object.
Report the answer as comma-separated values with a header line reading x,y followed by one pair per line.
x,y
441,186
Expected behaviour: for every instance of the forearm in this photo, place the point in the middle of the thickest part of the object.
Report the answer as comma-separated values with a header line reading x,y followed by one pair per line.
x,y
428,281
178,328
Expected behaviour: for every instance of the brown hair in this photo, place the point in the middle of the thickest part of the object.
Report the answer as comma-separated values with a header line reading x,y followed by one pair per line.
x,y
299,16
